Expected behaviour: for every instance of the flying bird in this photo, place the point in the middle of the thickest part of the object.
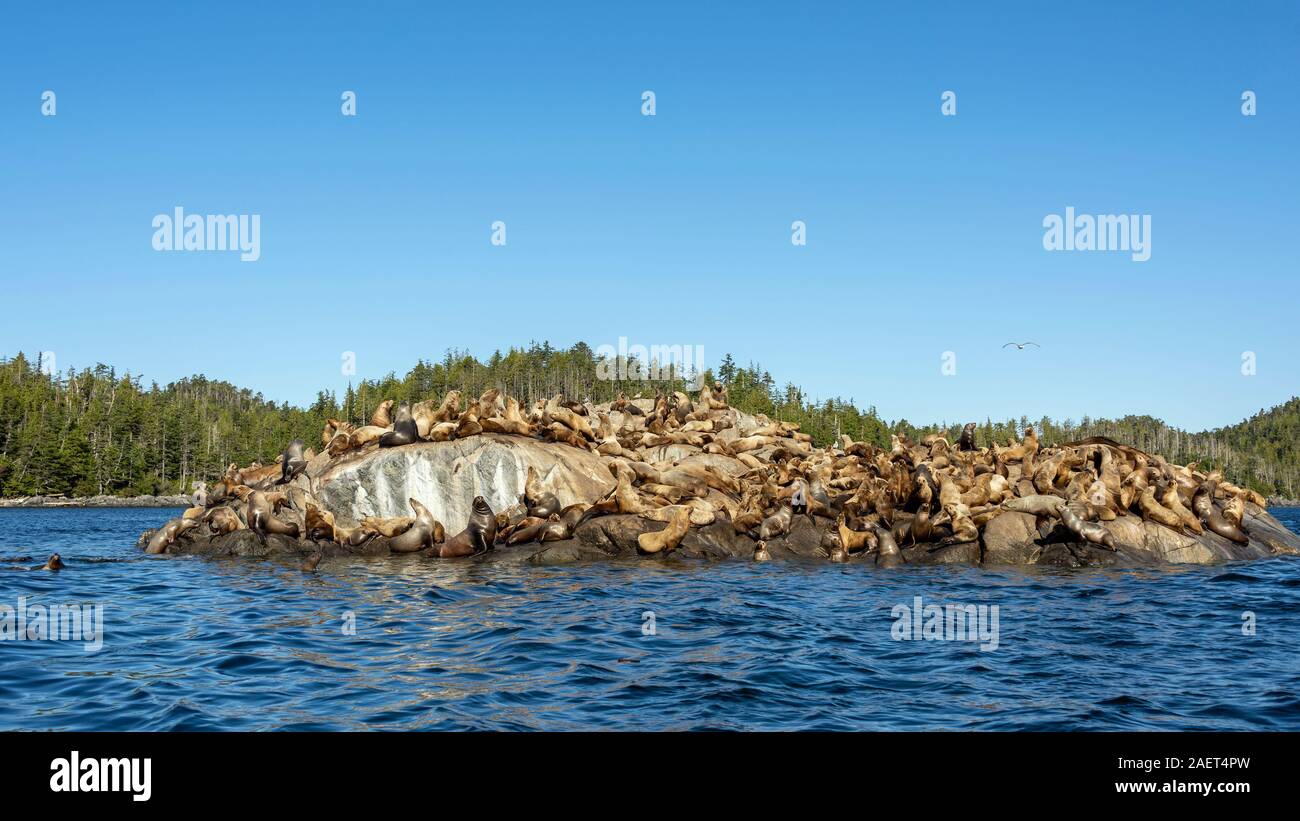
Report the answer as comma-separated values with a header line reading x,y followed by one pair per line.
x,y
1020,346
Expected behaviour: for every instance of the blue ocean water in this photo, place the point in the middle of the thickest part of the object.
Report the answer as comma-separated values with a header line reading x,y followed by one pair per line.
x,y
197,644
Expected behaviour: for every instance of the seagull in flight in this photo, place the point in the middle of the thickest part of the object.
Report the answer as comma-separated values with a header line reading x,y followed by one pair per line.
x,y
1020,346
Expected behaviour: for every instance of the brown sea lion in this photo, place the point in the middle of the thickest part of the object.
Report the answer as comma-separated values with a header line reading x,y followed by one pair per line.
x,y
776,525
528,530
1156,512
1072,516
364,435
390,527
760,552
667,539
854,541
309,566
1209,513
425,532
319,523
261,515
169,533
477,537
449,410
55,562
223,520
1171,499
382,417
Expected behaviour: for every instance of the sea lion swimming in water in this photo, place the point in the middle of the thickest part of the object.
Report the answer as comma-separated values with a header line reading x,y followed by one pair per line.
x,y
309,566
760,552
55,562
404,430
477,537
293,462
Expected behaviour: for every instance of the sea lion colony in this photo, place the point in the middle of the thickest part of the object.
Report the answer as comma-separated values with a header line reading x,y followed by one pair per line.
x,y
755,473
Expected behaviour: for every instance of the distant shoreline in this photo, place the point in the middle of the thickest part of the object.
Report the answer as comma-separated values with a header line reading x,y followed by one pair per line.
x,y
96,501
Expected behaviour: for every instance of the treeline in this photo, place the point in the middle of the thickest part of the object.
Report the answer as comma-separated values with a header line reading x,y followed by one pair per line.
x,y
96,431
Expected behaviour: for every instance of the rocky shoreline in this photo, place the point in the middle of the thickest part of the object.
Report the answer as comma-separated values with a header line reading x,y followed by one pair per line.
x,y
1015,539
96,501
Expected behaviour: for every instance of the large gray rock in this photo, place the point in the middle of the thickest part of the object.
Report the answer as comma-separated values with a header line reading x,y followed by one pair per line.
x,y
1010,538
446,476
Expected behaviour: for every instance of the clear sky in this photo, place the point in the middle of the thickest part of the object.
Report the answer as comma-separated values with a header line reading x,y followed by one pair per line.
x,y
924,232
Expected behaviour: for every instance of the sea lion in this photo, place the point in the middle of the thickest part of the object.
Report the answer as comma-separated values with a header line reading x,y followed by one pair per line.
x,y
887,553
319,523
477,537
199,498
529,530
541,502
223,520
449,410
776,525
1171,499
364,435
166,535
468,425
760,552
390,527
309,566
426,532
967,440
1156,512
1235,509
55,562
292,462
667,539
853,541
382,417
1072,516
404,432
261,515
1209,513
1040,505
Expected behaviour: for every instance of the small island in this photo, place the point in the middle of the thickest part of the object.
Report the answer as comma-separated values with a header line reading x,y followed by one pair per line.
x,y
690,477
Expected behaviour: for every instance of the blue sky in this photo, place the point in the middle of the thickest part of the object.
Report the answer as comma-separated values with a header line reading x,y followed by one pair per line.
x,y
924,231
